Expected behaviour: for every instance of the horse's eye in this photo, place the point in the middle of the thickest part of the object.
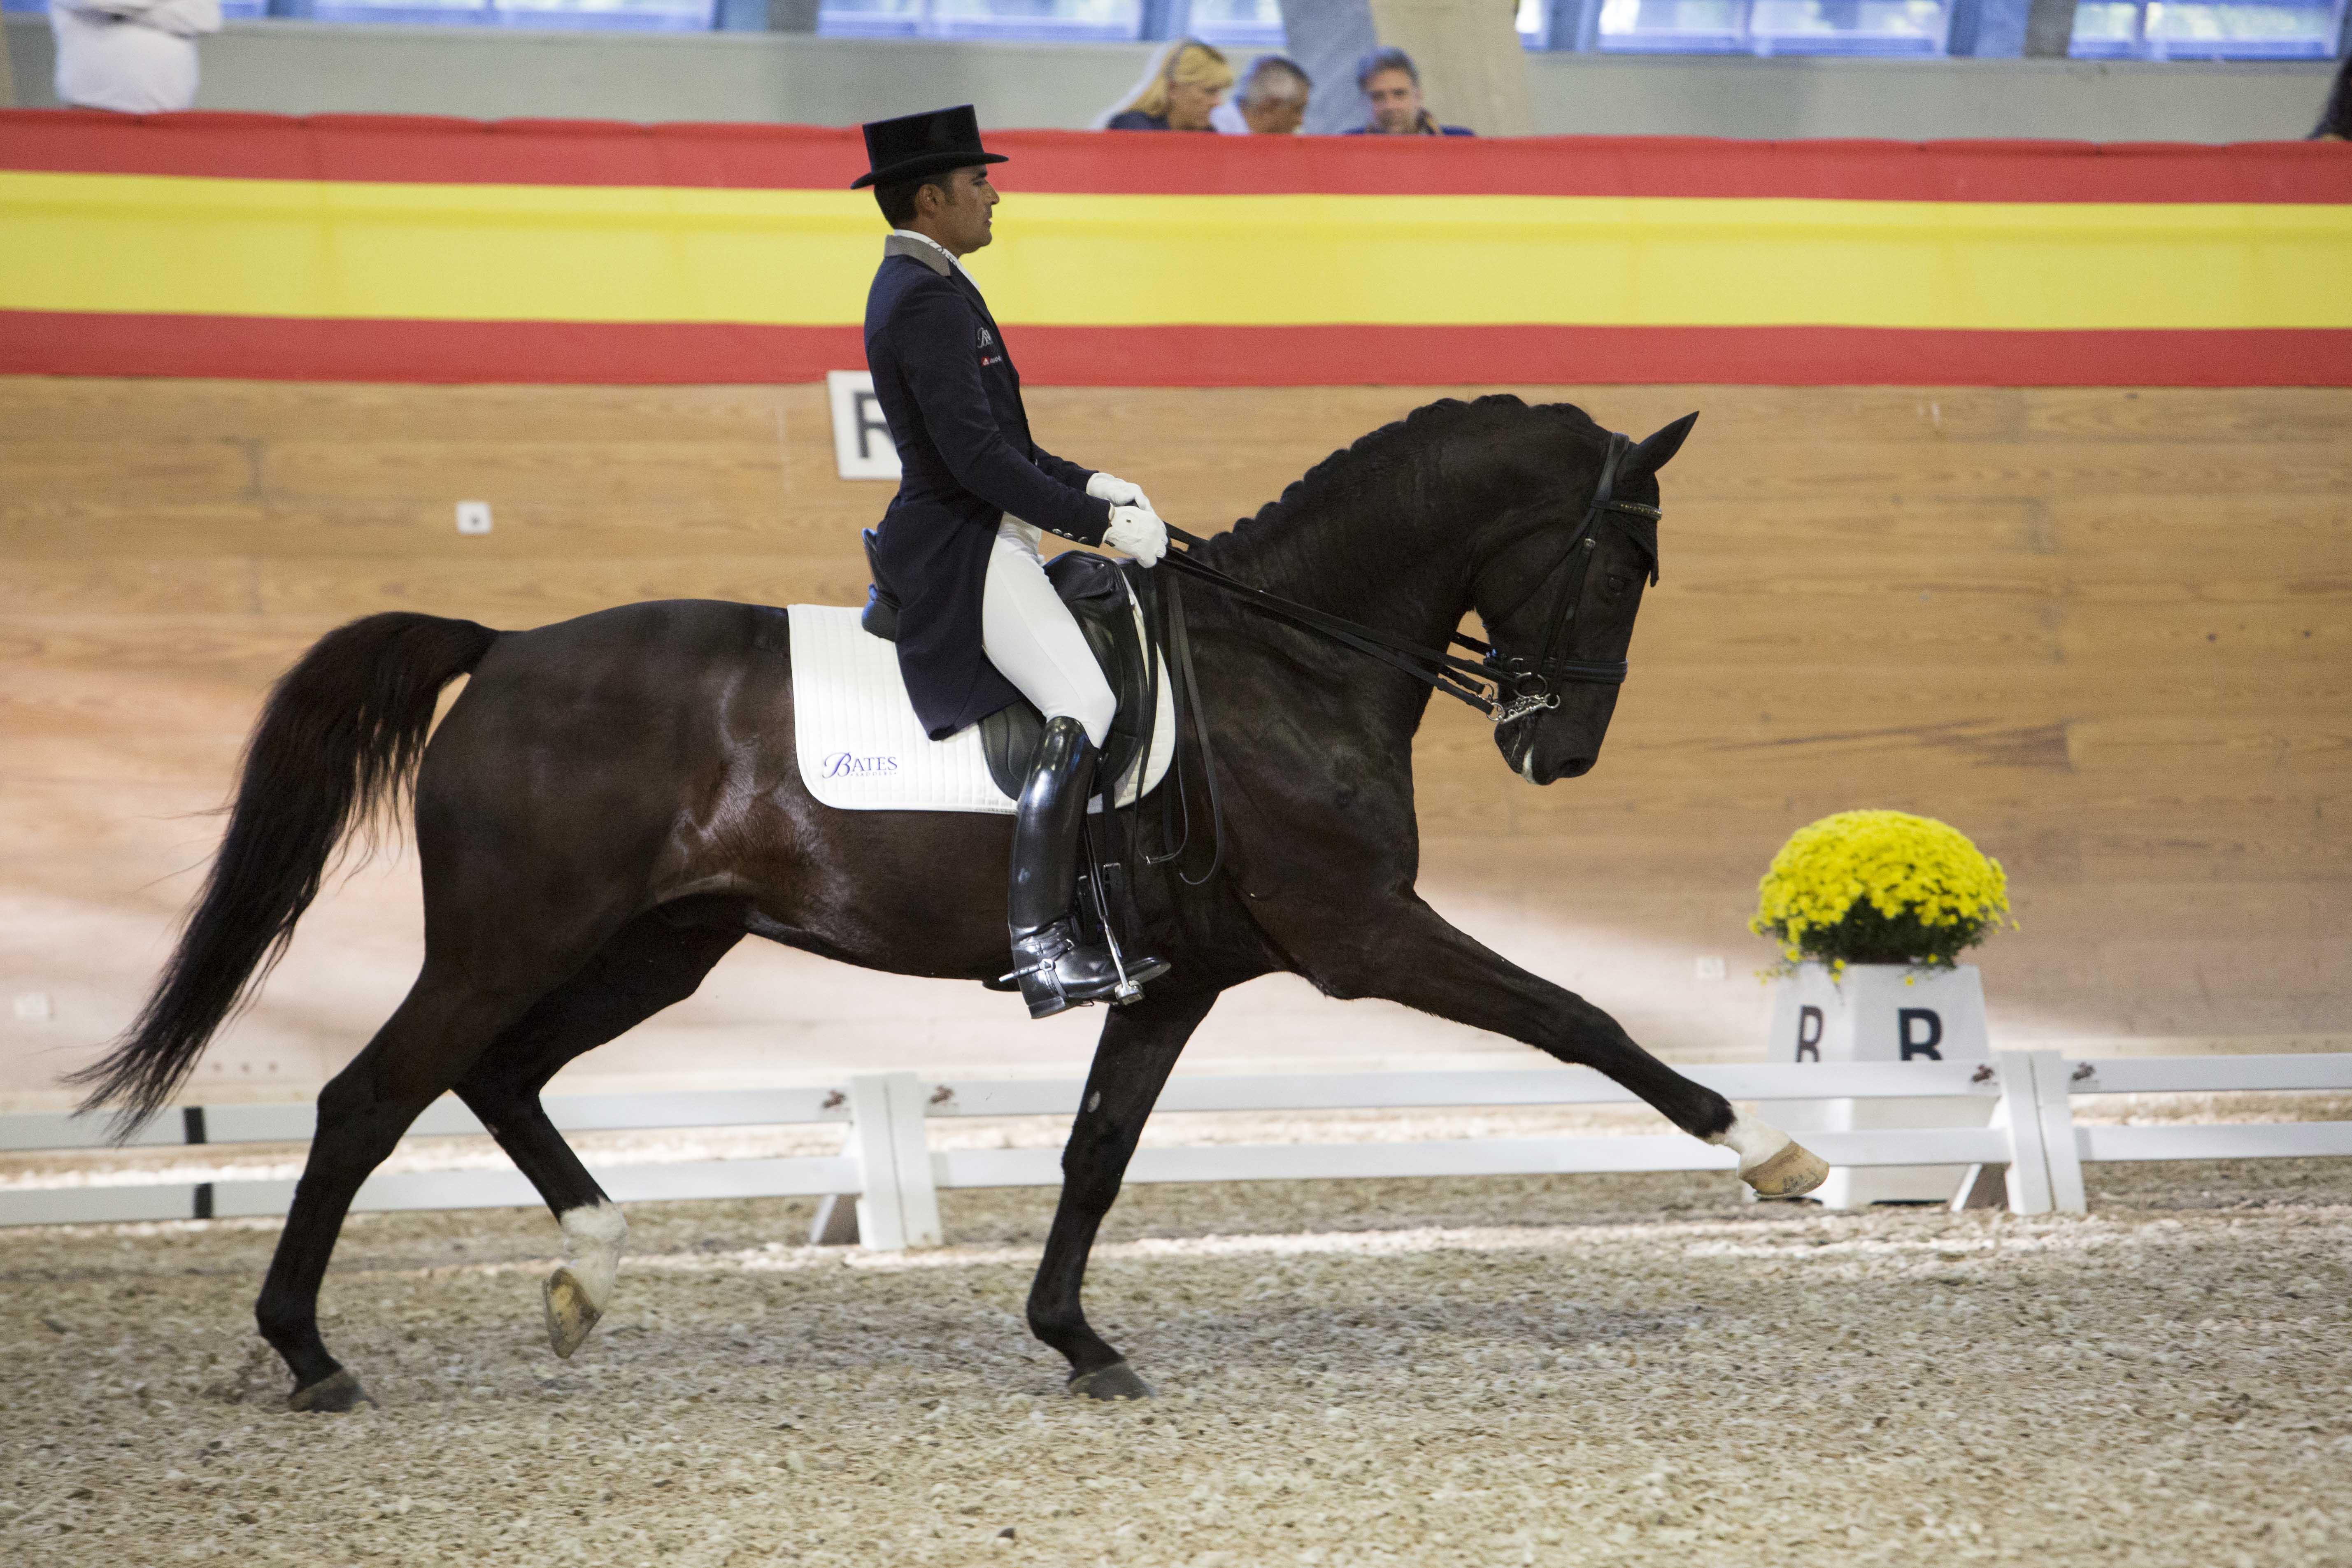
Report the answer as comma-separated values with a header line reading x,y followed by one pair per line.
x,y
1617,583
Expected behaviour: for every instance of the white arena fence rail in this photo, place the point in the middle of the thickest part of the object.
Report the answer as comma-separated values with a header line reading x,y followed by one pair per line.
x,y
2033,1149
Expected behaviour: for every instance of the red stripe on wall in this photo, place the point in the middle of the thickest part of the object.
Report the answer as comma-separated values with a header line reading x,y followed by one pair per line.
x,y
280,349
424,148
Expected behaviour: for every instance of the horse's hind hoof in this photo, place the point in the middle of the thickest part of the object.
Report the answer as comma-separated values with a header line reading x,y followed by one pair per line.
x,y
1116,1381
1792,1172
570,1313
338,1392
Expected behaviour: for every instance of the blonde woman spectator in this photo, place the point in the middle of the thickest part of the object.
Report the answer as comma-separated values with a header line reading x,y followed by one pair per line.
x,y
135,56
1184,84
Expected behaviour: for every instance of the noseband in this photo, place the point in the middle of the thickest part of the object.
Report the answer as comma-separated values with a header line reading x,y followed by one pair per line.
x,y
1529,686
1502,687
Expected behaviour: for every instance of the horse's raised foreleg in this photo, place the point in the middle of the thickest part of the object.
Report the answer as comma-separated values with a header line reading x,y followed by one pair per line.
x,y
423,1049
1426,963
1139,1047
657,959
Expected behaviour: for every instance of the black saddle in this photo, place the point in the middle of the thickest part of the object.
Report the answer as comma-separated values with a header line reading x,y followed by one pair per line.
x,y
1094,588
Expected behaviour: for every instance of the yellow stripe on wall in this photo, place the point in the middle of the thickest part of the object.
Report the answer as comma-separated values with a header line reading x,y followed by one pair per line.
x,y
791,258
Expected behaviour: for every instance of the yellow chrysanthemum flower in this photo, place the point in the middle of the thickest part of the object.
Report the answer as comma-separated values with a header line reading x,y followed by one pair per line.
x,y
1879,886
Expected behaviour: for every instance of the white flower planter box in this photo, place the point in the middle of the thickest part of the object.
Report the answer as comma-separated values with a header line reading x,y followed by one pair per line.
x,y
1880,1012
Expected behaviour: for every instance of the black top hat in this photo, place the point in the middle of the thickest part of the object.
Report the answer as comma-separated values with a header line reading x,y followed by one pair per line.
x,y
927,143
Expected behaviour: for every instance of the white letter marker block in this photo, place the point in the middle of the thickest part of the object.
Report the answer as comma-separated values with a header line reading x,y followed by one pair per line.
x,y
1881,1012
862,447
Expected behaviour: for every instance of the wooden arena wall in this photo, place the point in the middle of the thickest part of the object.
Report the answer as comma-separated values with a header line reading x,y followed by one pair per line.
x,y
2104,631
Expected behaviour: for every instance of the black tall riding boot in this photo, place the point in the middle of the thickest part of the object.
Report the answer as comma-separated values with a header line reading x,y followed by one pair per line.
x,y
1056,970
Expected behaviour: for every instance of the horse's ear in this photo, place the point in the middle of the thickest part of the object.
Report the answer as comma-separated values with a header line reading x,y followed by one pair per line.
x,y
1655,450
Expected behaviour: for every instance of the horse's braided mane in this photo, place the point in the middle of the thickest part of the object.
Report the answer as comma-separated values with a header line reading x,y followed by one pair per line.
x,y
1388,449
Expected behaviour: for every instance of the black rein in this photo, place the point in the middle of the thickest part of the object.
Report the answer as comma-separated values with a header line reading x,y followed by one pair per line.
x,y
1502,688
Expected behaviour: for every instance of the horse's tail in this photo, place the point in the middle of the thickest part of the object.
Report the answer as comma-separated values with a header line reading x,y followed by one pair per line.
x,y
338,743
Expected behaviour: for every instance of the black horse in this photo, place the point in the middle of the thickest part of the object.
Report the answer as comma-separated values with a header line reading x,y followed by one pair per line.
x,y
613,803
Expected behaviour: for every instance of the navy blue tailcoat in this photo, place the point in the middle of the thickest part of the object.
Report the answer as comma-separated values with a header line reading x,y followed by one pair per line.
x,y
947,385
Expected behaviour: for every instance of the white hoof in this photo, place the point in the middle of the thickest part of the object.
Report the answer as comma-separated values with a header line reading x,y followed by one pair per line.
x,y
1792,1172
570,1313
1770,1161
578,1292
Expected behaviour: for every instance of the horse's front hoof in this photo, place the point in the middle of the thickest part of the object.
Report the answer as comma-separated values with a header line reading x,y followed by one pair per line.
x,y
1116,1381
1792,1172
338,1392
570,1313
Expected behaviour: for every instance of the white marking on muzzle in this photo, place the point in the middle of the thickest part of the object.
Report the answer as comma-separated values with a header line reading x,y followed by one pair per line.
x,y
592,1235
1753,1141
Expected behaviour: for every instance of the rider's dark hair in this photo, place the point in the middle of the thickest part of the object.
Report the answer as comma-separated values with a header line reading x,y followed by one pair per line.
x,y
2335,119
897,199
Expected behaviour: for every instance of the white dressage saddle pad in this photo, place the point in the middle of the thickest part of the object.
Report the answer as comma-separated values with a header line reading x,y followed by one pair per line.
x,y
861,748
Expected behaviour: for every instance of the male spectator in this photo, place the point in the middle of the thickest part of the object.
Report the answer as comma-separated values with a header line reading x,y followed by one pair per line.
x,y
135,56
1272,101
1177,93
2335,119
1391,88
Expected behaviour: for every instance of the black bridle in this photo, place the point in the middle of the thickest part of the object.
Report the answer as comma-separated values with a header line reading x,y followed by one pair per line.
x,y
1502,687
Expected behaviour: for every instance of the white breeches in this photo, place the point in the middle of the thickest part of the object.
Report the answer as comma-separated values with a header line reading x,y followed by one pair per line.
x,y
1029,635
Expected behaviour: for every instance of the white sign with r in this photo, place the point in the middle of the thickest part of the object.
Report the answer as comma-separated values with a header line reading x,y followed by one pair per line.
x,y
862,448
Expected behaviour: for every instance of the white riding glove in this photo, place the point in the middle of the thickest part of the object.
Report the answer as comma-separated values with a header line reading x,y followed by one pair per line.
x,y
1119,492
1135,531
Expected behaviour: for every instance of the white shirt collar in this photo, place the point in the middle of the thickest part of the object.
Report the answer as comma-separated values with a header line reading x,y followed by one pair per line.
x,y
935,245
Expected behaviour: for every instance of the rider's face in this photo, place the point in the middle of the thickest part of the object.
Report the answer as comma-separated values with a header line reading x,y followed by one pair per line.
x,y
960,214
